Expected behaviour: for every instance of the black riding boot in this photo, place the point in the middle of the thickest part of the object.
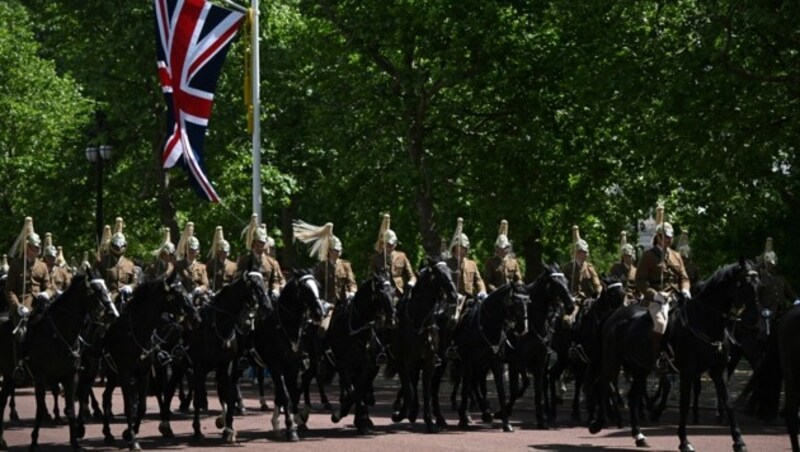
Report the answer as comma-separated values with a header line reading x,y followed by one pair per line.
x,y
659,363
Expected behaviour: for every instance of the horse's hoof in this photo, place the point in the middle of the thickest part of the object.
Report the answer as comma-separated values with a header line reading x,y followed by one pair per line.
x,y
229,436
108,440
14,416
739,447
198,436
487,417
46,417
397,417
303,428
3,444
464,424
220,422
335,418
441,422
135,446
508,428
686,447
642,442
291,436
97,415
363,431
595,427
240,410
80,431
327,406
430,427
126,435
165,429
412,418
264,407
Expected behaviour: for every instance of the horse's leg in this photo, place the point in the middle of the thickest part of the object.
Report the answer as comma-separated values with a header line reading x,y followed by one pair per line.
x,y
12,404
600,396
41,409
8,388
685,385
715,372
466,383
499,380
413,400
346,398
291,429
262,399
400,406
76,428
436,381
634,396
579,369
513,388
130,399
664,387
56,391
107,393
456,385
697,386
791,404
427,376
144,383
231,401
198,380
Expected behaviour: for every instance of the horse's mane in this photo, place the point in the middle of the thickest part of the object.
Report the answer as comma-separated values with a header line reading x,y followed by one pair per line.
x,y
142,293
68,294
711,284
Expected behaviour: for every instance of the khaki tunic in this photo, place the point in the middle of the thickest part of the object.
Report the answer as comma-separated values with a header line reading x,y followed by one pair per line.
x,y
774,292
651,269
582,280
193,275
159,269
691,271
627,276
60,278
499,271
35,281
336,280
117,272
220,273
273,277
468,280
401,270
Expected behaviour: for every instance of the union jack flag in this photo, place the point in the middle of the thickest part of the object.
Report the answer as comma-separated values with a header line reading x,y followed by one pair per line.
x,y
193,39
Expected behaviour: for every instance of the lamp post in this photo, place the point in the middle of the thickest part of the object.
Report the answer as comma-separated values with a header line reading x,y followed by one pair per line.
x,y
97,155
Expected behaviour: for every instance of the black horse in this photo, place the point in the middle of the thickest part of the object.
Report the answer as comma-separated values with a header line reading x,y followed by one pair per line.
x,y
350,337
550,299
586,353
277,343
416,342
789,345
213,345
696,333
129,347
55,348
481,339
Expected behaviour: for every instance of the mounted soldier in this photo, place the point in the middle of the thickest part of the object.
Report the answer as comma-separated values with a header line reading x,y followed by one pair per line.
x,y
190,270
388,259
581,274
164,264
625,269
118,271
775,294
256,241
335,275
469,282
661,272
59,276
219,268
503,267
27,286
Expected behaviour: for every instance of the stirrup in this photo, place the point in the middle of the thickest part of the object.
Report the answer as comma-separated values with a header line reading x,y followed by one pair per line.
x,y
381,359
19,374
163,358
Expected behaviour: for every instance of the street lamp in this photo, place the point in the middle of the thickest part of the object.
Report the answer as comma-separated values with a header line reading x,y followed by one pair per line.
x,y
98,155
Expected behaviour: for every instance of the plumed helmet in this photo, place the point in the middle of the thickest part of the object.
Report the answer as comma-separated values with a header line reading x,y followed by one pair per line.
x,y
582,245
336,244
320,238
624,247
18,248
166,244
4,264
118,240
193,244
385,235
769,253
61,261
683,244
50,251
253,232
224,246
33,239
502,241
105,242
183,243
217,242
577,241
662,227
459,238
627,249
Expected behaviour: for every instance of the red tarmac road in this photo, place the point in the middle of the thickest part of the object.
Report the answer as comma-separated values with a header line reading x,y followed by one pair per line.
x,y
255,433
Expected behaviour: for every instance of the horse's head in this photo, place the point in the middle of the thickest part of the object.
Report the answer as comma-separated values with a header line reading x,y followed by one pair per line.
x,y
515,308
382,298
557,287
613,295
745,290
178,302
307,293
442,280
99,301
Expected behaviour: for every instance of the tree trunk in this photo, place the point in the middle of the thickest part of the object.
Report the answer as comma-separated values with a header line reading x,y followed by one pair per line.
x,y
424,198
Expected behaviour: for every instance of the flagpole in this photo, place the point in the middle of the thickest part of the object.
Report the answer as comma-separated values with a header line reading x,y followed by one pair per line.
x,y
255,80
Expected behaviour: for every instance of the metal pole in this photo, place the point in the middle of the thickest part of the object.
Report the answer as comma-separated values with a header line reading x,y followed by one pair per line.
x,y
256,111
98,215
